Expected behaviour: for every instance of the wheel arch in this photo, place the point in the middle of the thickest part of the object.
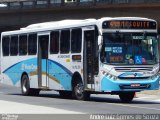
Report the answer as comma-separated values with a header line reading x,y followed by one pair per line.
x,y
76,78
24,73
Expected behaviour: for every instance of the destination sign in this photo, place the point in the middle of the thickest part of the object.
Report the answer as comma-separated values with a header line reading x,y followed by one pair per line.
x,y
114,59
128,24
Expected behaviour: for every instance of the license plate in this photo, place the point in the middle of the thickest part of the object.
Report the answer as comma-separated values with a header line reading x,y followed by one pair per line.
x,y
135,85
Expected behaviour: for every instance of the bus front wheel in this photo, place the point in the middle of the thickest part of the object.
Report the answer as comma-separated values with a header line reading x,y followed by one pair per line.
x,y
79,93
126,97
25,87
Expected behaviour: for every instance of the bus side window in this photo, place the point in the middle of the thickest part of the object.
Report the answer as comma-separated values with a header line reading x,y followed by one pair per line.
x,y
23,45
54,42
5,45
32,44
76,40
14,45
65,41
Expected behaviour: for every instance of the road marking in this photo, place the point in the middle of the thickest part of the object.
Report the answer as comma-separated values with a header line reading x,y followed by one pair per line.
x,y
158,100
139,98
142,98
134,106
22,108
150,99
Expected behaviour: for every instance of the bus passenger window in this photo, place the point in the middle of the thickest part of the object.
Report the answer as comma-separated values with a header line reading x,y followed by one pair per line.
x,y
5,45
23,45
32,44
54,42
65,41
76,40
14,45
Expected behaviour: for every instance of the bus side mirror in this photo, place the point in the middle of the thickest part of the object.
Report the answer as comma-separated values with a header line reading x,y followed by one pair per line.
x,y
100,41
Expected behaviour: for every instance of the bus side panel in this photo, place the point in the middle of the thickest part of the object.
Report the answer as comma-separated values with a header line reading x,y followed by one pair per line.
x,y
61,69
13,71
10,73
60,75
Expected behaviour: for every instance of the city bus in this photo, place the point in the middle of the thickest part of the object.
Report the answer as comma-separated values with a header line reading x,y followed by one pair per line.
x,y
77,58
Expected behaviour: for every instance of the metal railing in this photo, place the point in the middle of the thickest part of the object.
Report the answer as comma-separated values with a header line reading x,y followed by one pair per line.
x,y
26,4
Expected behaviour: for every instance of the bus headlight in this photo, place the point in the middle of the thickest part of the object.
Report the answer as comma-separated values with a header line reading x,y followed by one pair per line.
x,y
154,76
110,76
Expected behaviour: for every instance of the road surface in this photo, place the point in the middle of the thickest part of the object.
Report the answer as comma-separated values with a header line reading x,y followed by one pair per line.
x,y
12,102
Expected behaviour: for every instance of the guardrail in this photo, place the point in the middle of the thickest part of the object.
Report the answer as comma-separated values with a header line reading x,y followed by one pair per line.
x,y
26,4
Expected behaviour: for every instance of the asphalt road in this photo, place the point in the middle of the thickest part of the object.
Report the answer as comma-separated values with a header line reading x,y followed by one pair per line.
x,y
99,104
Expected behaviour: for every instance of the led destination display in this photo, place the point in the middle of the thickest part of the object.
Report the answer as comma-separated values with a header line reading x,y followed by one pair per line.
x,y
129,24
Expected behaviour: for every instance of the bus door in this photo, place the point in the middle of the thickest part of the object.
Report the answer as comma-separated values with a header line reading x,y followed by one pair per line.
x,y
43,41
90,58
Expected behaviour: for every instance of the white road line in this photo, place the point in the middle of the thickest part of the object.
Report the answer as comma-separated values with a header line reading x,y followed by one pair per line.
x,y
135,106
150,99
21,108
157,100
139,107
142,98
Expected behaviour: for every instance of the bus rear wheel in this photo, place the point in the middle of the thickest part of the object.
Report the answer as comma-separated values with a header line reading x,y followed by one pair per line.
x,y
25,87
79,93
126,97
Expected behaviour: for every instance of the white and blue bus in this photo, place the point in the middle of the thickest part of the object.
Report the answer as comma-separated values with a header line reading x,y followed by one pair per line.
x,y
82,57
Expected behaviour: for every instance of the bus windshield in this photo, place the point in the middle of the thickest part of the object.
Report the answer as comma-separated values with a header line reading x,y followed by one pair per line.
x,y
130,48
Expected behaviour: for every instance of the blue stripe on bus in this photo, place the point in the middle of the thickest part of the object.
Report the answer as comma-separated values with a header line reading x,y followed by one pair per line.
x,y
61,66
11,67
15,71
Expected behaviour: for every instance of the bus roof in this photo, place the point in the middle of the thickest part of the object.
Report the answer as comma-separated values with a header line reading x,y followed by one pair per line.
x,y
39,27
59,23
52,25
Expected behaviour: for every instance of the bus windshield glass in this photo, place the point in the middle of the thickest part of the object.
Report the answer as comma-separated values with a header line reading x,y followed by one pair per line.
x,y
130,48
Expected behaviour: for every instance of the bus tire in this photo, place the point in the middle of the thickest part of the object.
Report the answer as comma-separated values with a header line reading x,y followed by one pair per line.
x,y
79,93
25,87
126,97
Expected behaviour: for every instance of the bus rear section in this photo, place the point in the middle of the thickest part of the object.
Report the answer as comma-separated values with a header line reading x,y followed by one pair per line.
x,y
51,56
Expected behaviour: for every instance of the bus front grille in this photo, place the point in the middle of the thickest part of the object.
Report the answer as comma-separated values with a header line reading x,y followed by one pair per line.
x,y
141,86
133,78
133,69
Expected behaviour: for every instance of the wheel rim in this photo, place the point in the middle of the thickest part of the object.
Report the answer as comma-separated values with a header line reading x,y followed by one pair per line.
x,y
24,86
79,90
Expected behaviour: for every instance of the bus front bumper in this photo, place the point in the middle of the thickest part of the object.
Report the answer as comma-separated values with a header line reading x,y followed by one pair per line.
x,y
108,84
